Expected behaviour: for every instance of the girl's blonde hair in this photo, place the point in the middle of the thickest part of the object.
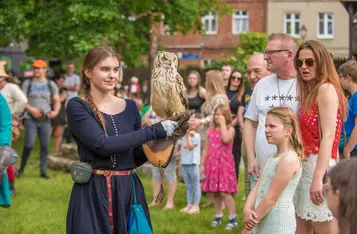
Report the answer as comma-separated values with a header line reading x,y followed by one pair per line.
x,y
214,84
226,113
289,119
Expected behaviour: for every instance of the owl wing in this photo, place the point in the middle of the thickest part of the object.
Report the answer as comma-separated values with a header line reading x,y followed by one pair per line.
x,y
181,90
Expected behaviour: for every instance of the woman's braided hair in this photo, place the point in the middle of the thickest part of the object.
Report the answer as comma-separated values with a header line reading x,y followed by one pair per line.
x,y
93,57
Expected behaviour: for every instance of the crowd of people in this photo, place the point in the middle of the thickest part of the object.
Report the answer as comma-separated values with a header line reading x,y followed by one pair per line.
x,y
292,127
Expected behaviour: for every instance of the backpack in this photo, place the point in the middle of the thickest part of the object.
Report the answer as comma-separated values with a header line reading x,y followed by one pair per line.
x,y
48,84
26,113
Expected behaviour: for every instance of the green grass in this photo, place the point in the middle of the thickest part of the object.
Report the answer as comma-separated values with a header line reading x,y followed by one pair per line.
x,y
40,206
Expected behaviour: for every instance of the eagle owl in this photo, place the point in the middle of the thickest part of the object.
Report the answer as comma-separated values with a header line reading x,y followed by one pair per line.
x,y
168,92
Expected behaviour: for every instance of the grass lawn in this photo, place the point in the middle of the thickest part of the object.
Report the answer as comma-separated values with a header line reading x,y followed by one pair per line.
x,y
40,206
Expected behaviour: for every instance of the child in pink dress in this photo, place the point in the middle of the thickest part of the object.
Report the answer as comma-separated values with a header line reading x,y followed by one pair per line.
x,y
217,163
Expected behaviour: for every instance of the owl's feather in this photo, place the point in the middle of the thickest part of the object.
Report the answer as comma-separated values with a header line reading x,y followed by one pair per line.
x,y
168,92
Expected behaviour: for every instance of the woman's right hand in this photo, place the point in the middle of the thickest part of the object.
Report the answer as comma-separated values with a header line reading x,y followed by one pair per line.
x,y
169,127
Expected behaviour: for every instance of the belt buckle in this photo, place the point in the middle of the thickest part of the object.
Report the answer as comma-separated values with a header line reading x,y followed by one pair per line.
x,y
107,173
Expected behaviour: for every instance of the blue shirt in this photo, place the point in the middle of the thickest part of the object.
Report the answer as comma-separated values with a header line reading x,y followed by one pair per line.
x,y
5,123
122,148
190,157
352,113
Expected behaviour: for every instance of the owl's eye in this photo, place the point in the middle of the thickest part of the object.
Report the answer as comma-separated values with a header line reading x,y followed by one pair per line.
x,y
164,58
174,59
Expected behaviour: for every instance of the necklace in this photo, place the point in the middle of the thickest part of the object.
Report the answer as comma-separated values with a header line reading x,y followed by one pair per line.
x,y
286,96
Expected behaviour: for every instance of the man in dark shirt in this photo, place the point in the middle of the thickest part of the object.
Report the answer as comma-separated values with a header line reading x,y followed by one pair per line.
x,y
256,70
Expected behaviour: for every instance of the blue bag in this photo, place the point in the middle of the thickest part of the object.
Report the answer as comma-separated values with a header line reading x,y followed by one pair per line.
x,y
137,222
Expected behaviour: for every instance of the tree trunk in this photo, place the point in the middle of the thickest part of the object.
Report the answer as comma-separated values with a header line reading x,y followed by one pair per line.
x,y
152,51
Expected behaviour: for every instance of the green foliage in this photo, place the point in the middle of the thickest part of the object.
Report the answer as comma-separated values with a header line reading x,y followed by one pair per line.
x,y
68,29
250,43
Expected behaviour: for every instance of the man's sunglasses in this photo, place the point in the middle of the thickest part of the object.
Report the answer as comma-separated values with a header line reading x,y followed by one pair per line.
x,y
309,62
270,52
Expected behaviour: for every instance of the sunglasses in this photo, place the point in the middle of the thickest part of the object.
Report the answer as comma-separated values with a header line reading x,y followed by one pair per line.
x,y
309,62
236,77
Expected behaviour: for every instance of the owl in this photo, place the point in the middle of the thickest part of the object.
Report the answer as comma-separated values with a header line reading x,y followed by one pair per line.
x,y
168,92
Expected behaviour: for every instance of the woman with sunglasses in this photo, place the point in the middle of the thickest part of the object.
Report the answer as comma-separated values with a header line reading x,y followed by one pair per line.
x,y
321,109
234,91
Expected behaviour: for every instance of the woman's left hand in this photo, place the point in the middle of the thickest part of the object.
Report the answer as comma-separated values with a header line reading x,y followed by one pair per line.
x,y
316,192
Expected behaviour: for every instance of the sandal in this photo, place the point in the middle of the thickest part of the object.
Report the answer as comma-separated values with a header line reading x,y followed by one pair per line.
x,y
193,210
216,222
232,224
184,210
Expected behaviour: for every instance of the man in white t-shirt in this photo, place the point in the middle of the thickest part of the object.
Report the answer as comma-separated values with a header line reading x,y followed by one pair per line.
x,y
274,90
71,81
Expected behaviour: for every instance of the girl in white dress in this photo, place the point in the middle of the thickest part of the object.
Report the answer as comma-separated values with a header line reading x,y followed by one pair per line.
x,y
269,208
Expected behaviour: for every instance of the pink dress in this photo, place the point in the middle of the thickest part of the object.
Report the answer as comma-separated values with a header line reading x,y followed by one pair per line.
x,y
219,165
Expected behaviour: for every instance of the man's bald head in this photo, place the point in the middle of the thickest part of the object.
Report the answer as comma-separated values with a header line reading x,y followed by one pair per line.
x,y
256,69
256,59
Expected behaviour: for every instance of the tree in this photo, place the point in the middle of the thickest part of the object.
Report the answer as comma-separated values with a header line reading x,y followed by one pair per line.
x,y
249,43
68,29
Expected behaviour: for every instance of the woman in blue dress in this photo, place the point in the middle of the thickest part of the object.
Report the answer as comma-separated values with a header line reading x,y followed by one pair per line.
x,y
5,140
107,130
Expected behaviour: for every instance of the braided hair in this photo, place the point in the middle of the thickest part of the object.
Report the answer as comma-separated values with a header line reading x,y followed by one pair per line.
x,y
93,57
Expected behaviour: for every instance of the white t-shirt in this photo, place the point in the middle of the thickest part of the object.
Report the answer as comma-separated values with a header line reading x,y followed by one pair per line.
x,y
70,81
14,96
265,96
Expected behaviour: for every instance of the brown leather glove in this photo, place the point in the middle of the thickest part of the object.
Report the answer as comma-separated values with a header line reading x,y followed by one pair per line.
x,y
183,119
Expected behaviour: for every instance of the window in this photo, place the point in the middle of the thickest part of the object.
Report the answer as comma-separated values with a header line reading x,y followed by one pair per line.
x,y
240,21
325,25
206,62
209,22
292,24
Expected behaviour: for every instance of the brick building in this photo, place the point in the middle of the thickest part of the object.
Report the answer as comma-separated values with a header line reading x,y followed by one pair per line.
x,y
220,33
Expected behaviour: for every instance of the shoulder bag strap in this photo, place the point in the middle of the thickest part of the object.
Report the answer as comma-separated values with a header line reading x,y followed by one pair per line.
x,y
134,189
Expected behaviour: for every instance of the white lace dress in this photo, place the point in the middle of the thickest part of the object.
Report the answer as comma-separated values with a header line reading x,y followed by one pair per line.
x,y
281,218
305,209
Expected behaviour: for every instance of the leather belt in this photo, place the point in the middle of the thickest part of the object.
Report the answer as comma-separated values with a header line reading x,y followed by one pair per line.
x,y
107,174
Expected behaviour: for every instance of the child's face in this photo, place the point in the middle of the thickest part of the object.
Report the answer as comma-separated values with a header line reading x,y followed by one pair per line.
x,y
219,117
275,131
